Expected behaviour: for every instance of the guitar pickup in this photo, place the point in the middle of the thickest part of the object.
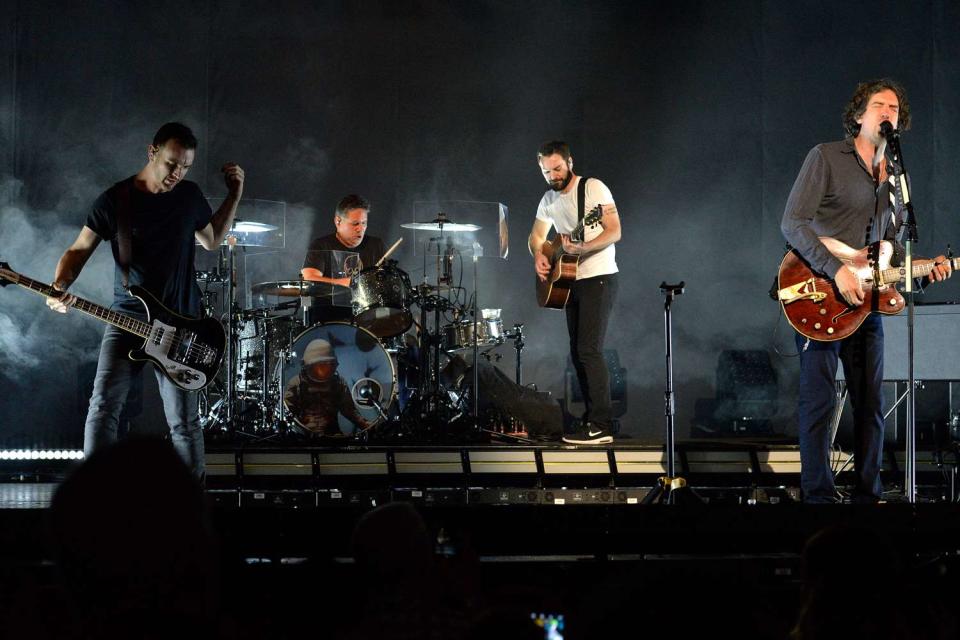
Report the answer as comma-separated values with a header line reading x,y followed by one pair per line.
x,y
806,290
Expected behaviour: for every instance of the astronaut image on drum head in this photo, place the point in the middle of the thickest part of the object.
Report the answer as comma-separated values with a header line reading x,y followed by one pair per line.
x,y
341,382
318,394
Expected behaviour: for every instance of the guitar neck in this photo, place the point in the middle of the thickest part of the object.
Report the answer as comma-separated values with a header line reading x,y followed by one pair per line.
x,y
919,270
119,320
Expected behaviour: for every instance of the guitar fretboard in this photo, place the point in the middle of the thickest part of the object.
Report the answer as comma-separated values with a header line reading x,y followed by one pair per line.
x,y
896,274
120,320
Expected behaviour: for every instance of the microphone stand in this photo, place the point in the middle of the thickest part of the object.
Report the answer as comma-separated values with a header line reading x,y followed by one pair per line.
x,y
669,488
910,236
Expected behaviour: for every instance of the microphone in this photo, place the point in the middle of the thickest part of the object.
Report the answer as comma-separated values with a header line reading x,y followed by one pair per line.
x,y
887,130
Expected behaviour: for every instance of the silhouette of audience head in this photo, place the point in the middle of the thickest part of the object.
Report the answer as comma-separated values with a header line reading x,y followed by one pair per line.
x,y
132,542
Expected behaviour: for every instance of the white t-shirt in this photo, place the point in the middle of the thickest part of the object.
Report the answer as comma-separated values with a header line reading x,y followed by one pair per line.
x,y
560,209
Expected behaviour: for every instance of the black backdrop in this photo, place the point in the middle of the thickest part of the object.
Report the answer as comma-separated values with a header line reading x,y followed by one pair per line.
x,y
696,114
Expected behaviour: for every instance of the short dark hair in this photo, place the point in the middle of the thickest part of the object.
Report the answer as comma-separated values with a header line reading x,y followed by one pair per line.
x,y
175,131
552,147
858,104
352,201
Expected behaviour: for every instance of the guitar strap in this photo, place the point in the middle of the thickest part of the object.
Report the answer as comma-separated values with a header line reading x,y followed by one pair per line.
x,y
124,242
581,198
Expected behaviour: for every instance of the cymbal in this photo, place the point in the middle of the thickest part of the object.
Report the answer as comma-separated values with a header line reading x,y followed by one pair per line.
x,y
295,288
441,225
246,226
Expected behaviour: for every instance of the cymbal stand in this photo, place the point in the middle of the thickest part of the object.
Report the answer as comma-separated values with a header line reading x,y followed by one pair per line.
x,y
231,350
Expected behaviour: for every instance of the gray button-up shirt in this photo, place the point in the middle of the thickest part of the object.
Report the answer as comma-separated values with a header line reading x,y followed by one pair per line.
x,y
835,195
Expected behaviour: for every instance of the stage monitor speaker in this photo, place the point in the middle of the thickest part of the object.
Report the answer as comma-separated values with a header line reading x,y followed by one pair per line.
x,y
746,387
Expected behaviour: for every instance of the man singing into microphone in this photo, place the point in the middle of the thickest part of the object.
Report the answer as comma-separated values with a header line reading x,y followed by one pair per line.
x,y
844,192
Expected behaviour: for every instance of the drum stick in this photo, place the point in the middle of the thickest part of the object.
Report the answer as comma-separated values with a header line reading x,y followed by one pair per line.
x,y
389,251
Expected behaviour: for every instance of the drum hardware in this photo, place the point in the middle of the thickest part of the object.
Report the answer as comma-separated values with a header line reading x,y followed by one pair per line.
x,y
517,336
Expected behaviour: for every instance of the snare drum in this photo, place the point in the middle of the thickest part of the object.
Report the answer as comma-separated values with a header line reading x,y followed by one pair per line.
x,y
379,300
459,335
360,376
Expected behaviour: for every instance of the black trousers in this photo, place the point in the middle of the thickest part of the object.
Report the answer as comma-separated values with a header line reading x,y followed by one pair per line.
x,y
588,312
862,358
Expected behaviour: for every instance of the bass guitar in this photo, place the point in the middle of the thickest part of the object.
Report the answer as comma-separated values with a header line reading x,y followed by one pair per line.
x,y
188,351
554,292
813,304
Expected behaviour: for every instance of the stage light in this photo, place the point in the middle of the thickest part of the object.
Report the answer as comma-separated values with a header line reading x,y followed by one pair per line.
x,y
41,454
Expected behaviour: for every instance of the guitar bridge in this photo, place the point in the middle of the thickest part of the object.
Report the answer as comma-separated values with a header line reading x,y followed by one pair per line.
x,y
806,290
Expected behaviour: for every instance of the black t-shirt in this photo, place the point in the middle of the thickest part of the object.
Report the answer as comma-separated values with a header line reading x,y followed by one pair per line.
x,y
370,250
162,245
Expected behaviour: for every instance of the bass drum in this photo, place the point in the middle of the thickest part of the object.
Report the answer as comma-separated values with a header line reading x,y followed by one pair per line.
x,y
338,371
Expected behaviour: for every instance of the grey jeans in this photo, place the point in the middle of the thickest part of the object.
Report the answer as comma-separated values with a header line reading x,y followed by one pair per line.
x,y
115,371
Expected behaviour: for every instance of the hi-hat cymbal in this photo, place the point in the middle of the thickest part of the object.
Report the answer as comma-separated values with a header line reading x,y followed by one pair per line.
x,y
441,224
295,288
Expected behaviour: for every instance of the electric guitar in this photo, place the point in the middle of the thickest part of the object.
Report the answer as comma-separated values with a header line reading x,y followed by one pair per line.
x,y
188,351
813,304
554,292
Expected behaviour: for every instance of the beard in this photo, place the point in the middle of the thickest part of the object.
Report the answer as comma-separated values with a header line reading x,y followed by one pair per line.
x,y
560,185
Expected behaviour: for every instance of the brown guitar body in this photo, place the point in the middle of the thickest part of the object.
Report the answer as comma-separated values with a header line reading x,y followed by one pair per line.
x,y
555,291
814,307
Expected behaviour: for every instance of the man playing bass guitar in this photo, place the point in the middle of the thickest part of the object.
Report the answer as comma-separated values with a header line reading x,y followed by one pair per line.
x,y
594,291
151,221
843,192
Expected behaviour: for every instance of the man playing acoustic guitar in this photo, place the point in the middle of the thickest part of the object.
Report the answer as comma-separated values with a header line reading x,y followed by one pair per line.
x,y
843,192
594,291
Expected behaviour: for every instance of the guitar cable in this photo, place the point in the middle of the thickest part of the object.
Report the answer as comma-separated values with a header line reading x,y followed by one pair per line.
x,y
776,347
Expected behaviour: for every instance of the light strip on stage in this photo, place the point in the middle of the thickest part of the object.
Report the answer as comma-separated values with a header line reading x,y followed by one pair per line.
x,y
41,454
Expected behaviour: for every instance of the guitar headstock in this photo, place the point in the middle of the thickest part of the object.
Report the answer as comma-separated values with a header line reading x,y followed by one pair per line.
x,y
595,216
4,268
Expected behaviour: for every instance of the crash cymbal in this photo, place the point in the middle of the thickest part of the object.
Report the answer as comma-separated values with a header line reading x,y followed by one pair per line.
x,y
247,226
436,226
441,223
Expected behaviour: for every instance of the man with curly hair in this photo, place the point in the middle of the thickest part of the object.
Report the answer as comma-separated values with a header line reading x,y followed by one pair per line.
x,y
843,192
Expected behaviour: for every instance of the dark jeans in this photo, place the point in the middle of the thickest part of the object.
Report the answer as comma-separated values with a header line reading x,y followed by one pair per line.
x,y
862,358
588,311
115,372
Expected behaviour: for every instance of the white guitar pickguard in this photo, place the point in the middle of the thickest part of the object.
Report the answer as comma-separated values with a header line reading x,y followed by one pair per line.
x,y
158,346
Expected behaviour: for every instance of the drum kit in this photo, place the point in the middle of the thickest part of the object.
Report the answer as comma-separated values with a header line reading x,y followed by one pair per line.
x,y
384,372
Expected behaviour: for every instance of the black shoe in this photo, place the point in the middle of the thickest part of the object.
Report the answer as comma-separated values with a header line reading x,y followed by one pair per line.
x,y
590,433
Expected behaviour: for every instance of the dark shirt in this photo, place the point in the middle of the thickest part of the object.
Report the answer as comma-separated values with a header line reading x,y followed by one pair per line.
x,y
835,195
162,243
370,250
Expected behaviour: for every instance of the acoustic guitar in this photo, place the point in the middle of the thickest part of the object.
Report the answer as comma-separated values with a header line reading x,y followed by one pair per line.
x,y
554,292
